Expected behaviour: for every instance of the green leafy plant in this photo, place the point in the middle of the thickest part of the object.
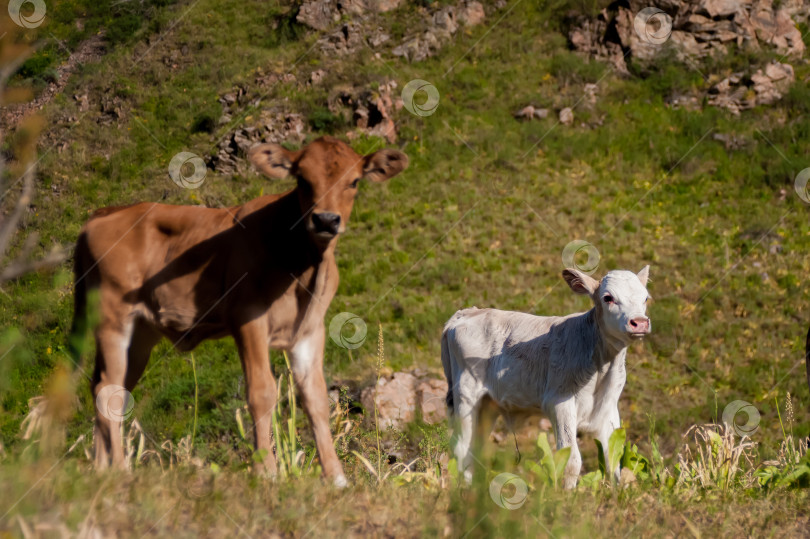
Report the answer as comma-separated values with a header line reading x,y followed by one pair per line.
x,y
791,468
550,466
289,455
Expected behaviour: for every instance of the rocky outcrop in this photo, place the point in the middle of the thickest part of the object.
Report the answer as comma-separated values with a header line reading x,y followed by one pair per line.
x,y
322,14
400,397
271,126
739,92
694,28
370,110
442,25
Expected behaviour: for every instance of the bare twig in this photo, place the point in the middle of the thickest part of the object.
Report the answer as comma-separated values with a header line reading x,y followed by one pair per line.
x,y
22,262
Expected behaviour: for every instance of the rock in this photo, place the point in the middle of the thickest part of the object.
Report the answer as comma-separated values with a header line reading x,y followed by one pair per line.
x,y
776,28
271,127
529,112
432,395
84,103
418,48
318,14
777,71
346,40
403,395
686,43
371,111
377,38
699,28
395,400
322,14
317,76
471,13
590,91
113,108
566,116
736,92
442,24
721,8
444,20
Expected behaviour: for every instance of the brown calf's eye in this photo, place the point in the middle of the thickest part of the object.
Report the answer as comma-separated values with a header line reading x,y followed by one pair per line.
x,y
355,183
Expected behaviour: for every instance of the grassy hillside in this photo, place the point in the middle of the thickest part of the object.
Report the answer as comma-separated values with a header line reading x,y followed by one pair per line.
x,y
481,218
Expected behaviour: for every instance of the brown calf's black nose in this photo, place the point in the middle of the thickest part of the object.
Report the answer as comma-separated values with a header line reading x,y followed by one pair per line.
x,y
326,222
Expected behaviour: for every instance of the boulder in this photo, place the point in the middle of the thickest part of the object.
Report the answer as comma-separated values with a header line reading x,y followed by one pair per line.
x,y
566,116
432,394
471,13
529,112
400,397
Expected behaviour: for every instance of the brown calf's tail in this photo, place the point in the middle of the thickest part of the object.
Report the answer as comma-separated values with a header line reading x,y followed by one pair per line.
x,y
78,330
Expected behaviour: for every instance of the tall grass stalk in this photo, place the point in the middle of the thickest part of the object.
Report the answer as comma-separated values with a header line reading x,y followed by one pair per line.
x,y
380,362
287,451
196,400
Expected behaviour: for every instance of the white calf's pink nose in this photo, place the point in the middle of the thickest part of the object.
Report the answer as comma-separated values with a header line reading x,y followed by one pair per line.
x,y
640,325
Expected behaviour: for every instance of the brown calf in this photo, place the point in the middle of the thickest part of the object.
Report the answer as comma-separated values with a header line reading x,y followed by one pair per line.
x,y
263,272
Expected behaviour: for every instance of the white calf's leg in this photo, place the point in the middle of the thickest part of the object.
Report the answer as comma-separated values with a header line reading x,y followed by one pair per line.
x,y
565,430
466,415
606,429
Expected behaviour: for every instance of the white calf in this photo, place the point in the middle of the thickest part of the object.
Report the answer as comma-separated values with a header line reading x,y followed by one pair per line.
x,y
570,368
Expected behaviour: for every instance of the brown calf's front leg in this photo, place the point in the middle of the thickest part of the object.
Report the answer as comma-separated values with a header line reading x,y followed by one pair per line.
x,y
306,360
109,395
251,341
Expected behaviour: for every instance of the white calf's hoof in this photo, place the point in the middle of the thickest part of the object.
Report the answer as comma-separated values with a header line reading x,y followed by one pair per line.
x,y
340,481
468,476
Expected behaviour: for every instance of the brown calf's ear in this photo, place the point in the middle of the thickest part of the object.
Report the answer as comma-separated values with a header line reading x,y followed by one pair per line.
x,y
644,275
384,164
271,160
579,282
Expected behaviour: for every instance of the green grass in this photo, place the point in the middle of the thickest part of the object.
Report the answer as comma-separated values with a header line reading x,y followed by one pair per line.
x,y
480,218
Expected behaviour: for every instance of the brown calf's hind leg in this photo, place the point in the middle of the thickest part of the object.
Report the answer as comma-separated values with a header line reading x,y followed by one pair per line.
x,y
251,340
109,395
144,339
307,365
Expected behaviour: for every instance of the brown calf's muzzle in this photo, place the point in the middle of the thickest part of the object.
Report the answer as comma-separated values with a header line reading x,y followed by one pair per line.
x,y
326,224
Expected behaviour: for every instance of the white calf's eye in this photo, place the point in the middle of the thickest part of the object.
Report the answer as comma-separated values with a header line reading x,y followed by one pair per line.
x,y
608,299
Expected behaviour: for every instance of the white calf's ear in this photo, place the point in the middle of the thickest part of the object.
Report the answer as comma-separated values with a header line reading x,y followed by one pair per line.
x,y
272,160
384,164
579,282
644,275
